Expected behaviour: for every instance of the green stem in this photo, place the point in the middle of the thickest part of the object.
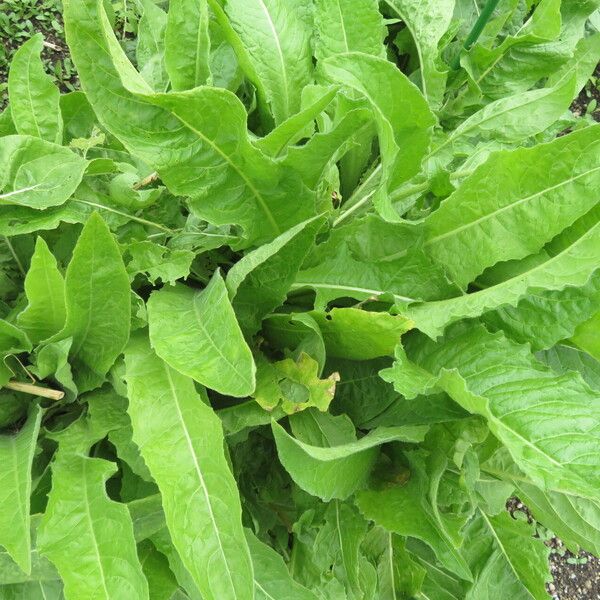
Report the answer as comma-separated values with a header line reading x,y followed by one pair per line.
x,y
476,30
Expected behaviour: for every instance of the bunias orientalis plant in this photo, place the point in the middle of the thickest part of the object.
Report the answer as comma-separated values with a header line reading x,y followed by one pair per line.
x,y
306,290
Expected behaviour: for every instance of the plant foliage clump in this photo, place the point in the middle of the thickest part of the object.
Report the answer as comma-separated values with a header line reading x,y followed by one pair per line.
x,y
307,290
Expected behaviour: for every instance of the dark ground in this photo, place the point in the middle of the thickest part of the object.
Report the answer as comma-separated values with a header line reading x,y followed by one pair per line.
x,y
575,577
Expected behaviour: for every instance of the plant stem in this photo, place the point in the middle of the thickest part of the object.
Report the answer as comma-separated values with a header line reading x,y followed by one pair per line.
x,y
402,192
35,390
146,181
476,30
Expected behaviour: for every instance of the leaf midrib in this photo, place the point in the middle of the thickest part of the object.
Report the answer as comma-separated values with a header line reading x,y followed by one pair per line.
x,y
496,212
259,198
198,470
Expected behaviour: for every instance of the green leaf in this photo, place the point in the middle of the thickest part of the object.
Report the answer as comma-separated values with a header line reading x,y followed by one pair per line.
x,y
427,22
337,471
181,440
403,117
295,383
293,129
347,332
12,341
547,317
575,520
158,262
45,289
197,140
368,258
312,159
271,576
98,304
16,452
7,127
161,581
37,174
150,50
78,116
410,510
343,26
51,360
277,43
508,556
109,411
18,220
549,423
34,99
259,282
586,336
483,223
563,358
33,590
197,334
85,534
513,118
571,267
187,27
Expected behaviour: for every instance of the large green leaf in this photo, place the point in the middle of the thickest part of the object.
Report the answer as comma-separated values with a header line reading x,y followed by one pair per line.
x,y
196,140
571,267
187,26
197,334
513,118
45,289
181,440
16,452
337,471
483,223
88,536
345,26
549,423
428,22
277,42
37,174
33,96
98,304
